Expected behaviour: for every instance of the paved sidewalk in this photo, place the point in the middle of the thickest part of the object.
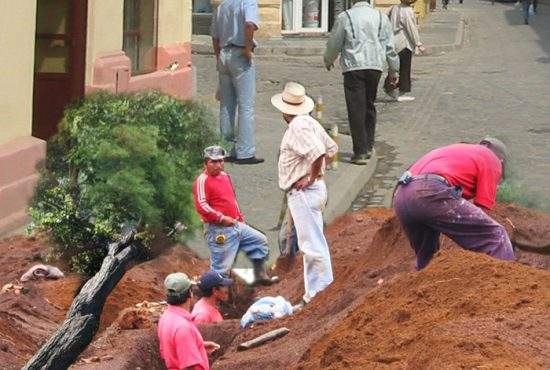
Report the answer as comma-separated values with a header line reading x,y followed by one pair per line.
x,y
441,32
256,186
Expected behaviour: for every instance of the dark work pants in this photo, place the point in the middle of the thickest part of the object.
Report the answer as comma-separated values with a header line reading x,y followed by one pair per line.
x,y
360,88
426,208
405,62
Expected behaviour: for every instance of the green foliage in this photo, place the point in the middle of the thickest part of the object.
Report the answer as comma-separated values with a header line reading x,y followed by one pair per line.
x,y
510,191
119,160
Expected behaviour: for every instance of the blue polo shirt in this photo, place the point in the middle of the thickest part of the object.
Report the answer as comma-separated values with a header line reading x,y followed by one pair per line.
x,y
228,21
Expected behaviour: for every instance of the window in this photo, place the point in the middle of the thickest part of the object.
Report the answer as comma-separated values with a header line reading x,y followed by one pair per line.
x,y
140,34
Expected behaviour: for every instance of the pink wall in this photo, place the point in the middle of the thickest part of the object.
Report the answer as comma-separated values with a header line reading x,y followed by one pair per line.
x,y
112,72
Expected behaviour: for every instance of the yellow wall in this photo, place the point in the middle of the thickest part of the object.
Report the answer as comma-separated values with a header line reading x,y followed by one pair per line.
x,y
17,27
104,32
174,21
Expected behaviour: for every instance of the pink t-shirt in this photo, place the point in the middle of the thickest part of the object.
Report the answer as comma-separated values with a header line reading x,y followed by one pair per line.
x,y
475,168
181,344
205,313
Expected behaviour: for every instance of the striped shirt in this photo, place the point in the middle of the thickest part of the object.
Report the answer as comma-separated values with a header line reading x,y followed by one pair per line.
x,y
214,198
304,141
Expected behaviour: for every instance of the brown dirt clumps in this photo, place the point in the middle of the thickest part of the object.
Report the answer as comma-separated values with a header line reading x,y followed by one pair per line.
x,y
27,320
464,310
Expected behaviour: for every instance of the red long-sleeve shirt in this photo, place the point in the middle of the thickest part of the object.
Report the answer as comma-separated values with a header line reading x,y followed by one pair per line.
x,y
214,198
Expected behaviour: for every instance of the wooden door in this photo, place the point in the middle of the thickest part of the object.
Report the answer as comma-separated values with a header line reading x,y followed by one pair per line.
x,y
60,52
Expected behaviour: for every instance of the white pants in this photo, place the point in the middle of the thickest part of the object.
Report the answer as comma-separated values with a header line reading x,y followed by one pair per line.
x,y
306,207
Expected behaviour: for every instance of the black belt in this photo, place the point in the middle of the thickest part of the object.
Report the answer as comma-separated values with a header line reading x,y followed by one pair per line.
x,y
407,177
431,176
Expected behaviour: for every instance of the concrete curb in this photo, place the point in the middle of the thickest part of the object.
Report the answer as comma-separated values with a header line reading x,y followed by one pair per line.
x,y
458,43
344,190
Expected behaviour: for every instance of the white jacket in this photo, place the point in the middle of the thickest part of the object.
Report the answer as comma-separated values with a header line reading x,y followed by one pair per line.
x,y
403,21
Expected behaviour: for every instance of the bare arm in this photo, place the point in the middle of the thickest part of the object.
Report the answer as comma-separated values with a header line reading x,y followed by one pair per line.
x,y
216,46
249,29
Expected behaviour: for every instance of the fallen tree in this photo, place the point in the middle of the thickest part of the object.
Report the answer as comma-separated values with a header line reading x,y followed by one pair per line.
x,y
82,321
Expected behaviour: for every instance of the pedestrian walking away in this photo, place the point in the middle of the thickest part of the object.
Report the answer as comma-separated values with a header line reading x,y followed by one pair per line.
x,y
432,198
407,42
181,343
363,37
226,233
214,289
233,25
527,9
304,152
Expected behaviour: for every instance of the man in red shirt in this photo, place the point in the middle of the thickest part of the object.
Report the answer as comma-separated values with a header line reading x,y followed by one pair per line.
x,y
225,230
181,343
430,199
214,290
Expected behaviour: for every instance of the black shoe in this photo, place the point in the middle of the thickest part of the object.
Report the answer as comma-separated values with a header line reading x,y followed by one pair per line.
x,y
251,160
360,159
230,159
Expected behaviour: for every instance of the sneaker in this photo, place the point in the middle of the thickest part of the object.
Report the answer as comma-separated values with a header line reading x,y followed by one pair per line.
x,y
405,98
251,160
360,159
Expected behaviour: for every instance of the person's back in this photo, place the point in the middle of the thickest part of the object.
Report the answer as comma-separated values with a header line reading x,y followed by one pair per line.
x,y
228,23
362,48
473,167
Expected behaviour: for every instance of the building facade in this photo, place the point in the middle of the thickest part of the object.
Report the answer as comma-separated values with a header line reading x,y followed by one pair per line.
x,y
53,52
293,17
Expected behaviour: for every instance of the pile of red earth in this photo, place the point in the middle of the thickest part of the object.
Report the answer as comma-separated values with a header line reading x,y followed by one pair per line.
x,y
464,310
28,318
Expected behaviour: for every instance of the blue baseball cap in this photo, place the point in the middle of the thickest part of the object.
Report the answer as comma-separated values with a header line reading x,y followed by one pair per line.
x,y
212,279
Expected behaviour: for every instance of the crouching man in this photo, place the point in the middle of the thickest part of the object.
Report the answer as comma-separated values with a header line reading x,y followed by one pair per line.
x,y
225,230
214,289
181,343
432,198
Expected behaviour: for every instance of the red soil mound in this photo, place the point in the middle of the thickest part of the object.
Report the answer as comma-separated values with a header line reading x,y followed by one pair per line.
x,y
464,310
27,320
369,245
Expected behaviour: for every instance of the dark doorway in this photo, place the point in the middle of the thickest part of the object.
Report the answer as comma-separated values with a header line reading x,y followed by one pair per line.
x,y
59,61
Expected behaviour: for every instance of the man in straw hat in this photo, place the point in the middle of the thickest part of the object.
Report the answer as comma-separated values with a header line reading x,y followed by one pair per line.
x,y
181,343
226,233
304,151
363,37
430,199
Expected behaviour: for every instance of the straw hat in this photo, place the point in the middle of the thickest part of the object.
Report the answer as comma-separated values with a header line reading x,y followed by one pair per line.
x,y
293,100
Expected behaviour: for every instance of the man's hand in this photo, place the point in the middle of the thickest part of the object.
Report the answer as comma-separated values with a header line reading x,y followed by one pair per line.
x,y
211,347
228,221
329,66
422,49
247,54
394,80
304,182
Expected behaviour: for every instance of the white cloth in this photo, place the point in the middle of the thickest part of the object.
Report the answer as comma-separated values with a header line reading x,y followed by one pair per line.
x,y
304,141
266,308
306,207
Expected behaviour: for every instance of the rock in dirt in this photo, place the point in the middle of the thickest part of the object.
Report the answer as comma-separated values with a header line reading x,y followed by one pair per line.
x,y
38,272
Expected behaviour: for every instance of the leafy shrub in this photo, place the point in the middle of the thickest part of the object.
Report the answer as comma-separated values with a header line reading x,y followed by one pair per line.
x,y
119,160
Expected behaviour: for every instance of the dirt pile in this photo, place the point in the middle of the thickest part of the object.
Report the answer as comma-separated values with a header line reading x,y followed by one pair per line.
x,y
27,320
465,309
376,287
462,311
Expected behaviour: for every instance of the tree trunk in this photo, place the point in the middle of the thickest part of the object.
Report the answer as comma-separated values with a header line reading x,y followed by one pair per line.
x,y
82,321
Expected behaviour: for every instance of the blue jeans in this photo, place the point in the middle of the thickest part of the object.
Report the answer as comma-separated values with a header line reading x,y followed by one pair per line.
x,y
237,237
237,88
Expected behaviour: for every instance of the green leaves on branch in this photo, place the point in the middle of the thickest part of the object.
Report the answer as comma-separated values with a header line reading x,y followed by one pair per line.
x,y
119,160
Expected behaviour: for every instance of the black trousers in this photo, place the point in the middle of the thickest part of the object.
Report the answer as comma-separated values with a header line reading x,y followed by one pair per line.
x,y
360,88
405,62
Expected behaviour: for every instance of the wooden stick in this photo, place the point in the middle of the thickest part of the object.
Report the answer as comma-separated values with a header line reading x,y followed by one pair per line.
x,y
264,338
